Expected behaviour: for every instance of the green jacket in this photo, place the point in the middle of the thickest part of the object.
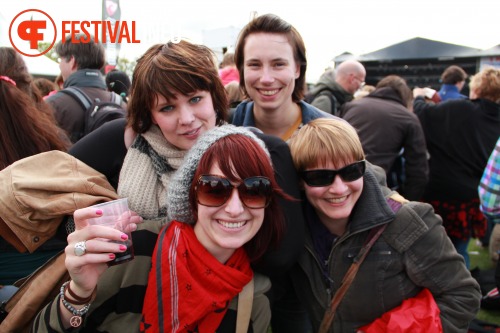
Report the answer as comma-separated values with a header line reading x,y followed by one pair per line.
x,y
413,252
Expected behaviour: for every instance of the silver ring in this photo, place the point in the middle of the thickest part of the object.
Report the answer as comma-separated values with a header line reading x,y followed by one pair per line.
x,y
80,249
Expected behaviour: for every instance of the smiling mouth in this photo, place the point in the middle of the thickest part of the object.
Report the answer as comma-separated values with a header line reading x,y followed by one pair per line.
x,y
269,92
337,200
232,225
192,132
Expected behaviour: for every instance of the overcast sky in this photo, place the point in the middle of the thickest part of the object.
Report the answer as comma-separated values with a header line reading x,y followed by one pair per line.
x,y
329,27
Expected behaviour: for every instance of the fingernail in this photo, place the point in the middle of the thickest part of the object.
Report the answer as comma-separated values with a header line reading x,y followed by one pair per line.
x,y
112,256
123,247
98,212
124,236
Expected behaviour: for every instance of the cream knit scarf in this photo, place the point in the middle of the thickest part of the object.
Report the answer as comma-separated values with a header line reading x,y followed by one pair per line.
x,y
146,172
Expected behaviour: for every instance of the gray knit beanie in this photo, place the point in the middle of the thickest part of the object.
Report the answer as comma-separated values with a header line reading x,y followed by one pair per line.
x,y
178,207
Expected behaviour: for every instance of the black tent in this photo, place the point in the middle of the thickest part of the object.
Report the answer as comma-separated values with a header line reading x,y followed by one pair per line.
x,y
420,61
420,48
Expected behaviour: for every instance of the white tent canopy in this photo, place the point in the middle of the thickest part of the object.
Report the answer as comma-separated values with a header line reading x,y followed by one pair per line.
x,y
41,65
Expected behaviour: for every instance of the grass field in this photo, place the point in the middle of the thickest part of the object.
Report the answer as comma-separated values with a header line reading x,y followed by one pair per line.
x,y
479,257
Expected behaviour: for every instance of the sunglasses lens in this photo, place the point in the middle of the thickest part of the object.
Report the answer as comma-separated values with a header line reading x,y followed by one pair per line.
x,y
353,171
213,191
255,192
318,177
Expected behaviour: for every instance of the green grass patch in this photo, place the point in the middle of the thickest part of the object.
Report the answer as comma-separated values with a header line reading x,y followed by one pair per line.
x,y
479,257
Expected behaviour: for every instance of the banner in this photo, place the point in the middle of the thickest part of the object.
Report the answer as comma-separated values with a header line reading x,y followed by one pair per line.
x,y
111,12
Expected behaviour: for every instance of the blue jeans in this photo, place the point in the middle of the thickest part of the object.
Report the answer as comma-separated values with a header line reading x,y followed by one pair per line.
x,y
461,247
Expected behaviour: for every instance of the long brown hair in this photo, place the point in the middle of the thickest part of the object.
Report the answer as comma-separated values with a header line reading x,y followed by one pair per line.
x,y
25,129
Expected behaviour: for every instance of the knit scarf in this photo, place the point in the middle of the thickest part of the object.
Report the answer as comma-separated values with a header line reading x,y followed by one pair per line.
x,y
189,290
146,171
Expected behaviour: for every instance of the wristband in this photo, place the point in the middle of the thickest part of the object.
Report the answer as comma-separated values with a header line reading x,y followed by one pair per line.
x,y
76,319
77,300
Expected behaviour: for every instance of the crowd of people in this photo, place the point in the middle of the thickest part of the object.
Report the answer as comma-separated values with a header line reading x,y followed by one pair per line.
x,y
256,205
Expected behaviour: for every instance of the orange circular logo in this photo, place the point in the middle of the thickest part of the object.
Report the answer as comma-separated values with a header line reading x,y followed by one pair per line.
x,y
30,27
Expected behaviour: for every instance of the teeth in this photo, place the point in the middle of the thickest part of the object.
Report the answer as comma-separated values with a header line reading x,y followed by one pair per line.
x,y
232,225
269,92
336,200
191,132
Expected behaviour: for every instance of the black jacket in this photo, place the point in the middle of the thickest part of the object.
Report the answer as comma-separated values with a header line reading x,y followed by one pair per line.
x,y
460,136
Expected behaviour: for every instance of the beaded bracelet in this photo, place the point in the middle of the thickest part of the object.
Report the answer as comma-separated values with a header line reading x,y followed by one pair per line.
x,y
76,319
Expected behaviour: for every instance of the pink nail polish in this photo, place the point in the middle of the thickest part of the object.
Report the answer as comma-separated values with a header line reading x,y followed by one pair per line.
x,y
124,237
98,212
112,256
123,247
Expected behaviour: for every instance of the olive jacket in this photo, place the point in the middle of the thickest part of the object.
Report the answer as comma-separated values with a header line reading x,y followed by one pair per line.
x,y
413,253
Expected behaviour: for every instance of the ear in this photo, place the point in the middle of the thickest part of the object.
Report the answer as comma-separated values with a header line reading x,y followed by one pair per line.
x,y
297,71
73,64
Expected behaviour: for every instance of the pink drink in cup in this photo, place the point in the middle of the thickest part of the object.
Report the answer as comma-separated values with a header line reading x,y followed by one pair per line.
x,y
116,214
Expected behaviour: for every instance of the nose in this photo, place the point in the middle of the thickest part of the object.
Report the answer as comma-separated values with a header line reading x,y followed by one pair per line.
x,y
186,116
338,185
234,206
267,75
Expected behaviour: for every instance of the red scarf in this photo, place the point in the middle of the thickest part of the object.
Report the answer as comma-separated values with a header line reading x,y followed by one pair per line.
x,y
188,289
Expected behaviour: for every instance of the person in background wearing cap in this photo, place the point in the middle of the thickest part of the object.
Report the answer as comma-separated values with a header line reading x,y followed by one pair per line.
x,y
224,213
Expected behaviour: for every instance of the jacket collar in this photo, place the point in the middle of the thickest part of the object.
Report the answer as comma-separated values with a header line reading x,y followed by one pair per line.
x,y
387,93
86,78
371,209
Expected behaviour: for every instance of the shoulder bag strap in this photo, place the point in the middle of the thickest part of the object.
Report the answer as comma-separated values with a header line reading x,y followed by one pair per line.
x,y
353,269
348,278
78,94
245,300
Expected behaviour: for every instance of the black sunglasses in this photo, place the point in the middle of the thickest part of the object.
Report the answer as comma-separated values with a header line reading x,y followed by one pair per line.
x,y
214,191
325,177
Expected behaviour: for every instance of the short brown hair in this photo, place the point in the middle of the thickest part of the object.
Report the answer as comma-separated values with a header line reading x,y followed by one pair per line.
x,y
453,75
273,24
398,84
89,55
166,69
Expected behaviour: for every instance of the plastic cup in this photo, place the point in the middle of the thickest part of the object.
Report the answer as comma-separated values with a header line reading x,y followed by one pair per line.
x,y
116,214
